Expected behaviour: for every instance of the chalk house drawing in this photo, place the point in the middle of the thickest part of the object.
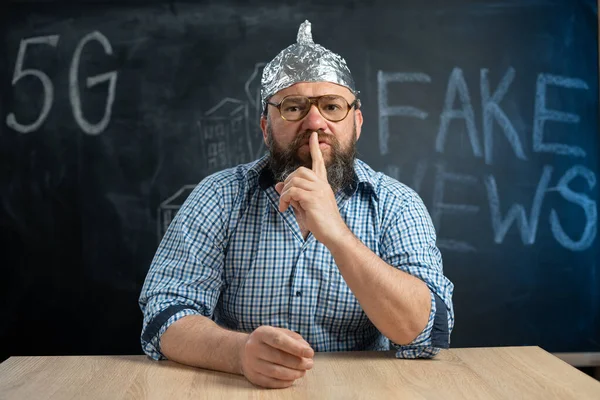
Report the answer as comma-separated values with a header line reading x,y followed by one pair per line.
x,y
226,138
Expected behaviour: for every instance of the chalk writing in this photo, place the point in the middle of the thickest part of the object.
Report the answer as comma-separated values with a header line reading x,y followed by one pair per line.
x,y
542,114
20,73
419,176
491,109
74,95
501,218
439,206
458,85
393,171
517,212
589,207
386,111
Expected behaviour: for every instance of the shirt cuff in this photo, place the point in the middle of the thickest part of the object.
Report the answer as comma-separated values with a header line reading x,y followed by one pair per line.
x,y
434,337
158,325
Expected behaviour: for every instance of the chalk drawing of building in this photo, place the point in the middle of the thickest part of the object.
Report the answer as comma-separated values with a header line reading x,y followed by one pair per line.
x,y
169,208
224,135
252,89
226,140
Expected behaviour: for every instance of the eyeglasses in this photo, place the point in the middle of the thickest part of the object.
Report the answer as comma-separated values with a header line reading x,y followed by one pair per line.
x,y
331,106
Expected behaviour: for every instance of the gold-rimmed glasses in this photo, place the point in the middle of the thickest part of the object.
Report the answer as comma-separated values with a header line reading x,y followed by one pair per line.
x,y
331,106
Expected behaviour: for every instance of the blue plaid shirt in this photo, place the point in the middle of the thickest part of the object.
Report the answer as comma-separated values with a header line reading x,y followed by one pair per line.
x,y
230,255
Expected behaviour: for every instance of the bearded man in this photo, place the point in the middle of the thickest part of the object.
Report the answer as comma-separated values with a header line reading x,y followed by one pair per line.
x,y
306,249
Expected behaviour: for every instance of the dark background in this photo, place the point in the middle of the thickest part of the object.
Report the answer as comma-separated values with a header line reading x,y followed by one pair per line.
x,y
82,209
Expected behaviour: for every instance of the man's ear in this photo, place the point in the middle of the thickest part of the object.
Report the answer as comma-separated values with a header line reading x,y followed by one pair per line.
x,y
263,128
358,121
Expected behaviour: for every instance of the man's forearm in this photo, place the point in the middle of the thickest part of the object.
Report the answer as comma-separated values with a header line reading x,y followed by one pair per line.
x,y
396,302
197,341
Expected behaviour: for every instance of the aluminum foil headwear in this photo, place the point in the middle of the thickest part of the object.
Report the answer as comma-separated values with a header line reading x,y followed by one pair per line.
x,y
304,61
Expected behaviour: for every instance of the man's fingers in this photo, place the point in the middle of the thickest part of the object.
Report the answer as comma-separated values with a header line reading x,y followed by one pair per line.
x,y
284,203
318,164
288,360
295,181
302,172
279,187
268,382
288,344
297,336
293,334
298,182
289,195
296,206
277,371
285,199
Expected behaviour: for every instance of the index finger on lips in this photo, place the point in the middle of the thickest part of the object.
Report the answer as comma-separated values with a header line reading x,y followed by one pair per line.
x,y
318,164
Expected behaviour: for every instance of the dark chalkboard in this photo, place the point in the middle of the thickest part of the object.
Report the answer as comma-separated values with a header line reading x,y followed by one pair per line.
x,y
113,111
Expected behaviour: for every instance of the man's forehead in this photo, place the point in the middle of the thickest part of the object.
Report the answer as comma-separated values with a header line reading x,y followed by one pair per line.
x,y
315,89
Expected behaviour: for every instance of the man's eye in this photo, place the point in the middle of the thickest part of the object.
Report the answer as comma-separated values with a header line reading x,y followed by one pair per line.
x,y
294,109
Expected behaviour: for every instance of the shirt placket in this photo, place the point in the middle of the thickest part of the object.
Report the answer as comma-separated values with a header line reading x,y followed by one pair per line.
x,y
298,306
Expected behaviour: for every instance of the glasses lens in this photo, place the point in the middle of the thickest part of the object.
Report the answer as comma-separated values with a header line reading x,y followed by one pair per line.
x,y
294,108
334,108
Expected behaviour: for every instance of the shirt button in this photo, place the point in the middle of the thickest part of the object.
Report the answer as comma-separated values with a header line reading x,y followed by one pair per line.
x,y
298,293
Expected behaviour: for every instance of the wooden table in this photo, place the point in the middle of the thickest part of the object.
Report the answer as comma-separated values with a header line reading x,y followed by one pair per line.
x,y
475,373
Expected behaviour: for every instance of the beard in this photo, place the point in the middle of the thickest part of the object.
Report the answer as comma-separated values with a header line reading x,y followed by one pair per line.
x,y
284,161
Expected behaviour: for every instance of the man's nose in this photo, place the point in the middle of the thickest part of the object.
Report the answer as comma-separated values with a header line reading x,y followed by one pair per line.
x,y
314,120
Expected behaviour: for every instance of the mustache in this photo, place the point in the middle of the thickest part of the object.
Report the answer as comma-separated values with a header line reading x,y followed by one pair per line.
x,y
283,160
304,137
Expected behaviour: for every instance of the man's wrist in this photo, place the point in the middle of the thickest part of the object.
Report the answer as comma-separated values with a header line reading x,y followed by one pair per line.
x,y
239,349
341,242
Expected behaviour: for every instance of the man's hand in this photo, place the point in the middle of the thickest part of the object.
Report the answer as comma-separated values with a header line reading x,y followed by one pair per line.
x,y
275,357
309,192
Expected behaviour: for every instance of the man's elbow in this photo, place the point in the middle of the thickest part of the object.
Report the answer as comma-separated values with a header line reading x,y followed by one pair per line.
x,y
405,334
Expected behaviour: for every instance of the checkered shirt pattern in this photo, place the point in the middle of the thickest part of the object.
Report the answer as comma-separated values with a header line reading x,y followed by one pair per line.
x,y
230,255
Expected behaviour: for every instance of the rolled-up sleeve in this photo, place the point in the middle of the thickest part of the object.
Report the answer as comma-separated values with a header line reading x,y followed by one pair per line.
x,y
409,244
185,276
